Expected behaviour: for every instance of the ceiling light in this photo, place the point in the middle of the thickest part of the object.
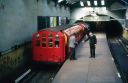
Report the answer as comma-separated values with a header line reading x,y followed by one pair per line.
x,y
95,3
102,2
81,3
88,3
60,1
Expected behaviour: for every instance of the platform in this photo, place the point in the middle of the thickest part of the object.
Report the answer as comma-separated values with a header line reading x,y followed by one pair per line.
x,y
102,69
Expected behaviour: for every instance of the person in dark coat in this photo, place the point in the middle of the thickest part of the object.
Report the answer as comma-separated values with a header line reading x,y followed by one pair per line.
x,y
87,31
92,42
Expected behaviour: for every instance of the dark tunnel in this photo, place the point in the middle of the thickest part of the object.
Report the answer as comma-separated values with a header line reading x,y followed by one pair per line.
x,y
112,28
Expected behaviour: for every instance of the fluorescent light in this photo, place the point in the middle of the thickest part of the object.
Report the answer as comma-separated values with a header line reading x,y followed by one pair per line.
x,y
60,1
81,3
95,3
102,2
88,2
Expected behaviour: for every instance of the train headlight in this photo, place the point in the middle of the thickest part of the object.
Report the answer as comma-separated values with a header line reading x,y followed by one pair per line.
x,y
37,35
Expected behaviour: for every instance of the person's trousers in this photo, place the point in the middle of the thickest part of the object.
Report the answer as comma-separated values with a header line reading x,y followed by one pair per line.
x,y
92,51
72,53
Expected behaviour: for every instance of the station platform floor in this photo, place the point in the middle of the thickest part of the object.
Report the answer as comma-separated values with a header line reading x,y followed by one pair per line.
x,y
101,69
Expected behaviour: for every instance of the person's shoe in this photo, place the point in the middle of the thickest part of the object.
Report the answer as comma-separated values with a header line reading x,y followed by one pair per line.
x,y
90,57
74,59
71,58
93,56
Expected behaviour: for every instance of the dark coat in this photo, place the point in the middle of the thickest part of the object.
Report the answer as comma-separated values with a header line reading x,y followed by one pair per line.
x,y
87,30
92,40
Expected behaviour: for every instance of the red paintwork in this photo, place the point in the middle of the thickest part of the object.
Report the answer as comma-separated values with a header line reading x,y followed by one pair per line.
x,y
55,54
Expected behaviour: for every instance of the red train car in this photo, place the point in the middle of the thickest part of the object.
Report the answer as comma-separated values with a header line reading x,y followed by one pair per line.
x,y
52,46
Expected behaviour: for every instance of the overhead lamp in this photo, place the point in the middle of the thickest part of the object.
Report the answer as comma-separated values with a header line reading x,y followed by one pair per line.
x,y
102,2
95,2
88,3
60,1
81,3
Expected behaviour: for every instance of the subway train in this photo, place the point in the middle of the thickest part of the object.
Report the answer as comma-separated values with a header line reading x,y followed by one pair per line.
x,y
51,45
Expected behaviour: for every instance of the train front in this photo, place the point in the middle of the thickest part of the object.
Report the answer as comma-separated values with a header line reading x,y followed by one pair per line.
x,y
48,46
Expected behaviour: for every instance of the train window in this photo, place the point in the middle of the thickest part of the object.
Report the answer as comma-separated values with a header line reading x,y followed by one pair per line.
x,y
49,35
37,40
57,41
43,40
50,42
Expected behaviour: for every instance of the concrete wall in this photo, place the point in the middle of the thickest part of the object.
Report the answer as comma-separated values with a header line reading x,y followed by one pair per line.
x,y
49,8
17,22
18,19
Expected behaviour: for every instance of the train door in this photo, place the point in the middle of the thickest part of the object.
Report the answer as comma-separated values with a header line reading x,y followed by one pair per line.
x,y
59,47
39,44
50,46
42,50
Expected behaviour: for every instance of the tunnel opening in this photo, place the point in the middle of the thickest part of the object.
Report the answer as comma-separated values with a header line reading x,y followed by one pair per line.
x,y
112,28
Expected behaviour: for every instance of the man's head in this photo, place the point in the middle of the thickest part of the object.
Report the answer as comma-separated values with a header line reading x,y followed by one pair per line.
x,y
91,34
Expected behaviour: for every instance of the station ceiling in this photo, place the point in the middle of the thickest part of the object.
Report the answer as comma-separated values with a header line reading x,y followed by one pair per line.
x,y
76,3
116,6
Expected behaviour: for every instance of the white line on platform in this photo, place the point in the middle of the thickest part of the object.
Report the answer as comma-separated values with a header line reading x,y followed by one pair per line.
x,y
22,76
118,74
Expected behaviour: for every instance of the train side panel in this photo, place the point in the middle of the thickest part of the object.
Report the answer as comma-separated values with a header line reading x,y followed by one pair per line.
x,y
78,29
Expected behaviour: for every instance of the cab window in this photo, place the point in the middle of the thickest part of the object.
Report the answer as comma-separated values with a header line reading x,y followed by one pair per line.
x,y
57,40
43,40
50,41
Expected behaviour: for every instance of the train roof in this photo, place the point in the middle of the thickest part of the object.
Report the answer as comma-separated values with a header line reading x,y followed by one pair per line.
x,y
58,28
